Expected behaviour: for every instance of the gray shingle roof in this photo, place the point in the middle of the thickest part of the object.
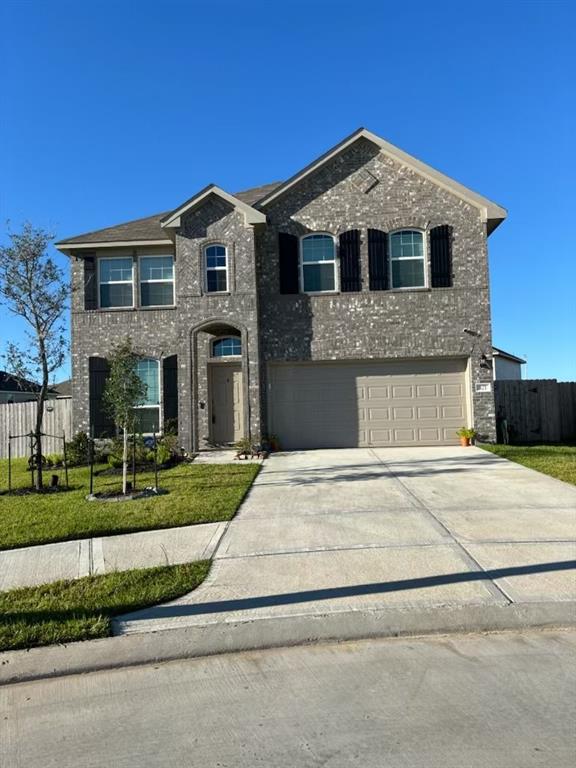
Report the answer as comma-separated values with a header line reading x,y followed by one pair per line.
x,y
149,227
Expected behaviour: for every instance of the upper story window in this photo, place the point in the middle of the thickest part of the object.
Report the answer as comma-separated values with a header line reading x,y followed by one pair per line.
x,y
148,412
229,346
156,281
216,258
318,263
407,259
115,279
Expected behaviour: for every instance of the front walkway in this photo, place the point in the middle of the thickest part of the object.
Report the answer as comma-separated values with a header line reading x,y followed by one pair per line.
x,y
328,531
45,563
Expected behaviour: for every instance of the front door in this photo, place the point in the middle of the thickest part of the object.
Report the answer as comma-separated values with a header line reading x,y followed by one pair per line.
x,y
226,403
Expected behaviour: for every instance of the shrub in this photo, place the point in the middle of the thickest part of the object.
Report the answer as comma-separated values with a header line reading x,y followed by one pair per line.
x,y
55,460
163,454
78,450
114,461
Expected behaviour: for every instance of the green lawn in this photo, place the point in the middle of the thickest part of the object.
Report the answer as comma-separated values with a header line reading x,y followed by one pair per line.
x,y
66,611
204,493
556,460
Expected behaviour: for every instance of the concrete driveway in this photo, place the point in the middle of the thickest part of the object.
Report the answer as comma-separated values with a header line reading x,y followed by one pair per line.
x,y
400,529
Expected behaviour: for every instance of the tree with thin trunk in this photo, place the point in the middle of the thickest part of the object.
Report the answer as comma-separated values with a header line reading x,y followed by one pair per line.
x,y
123,391
33,287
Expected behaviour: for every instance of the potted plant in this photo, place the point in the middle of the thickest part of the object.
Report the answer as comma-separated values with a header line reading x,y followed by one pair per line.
x,y
466,435
243,448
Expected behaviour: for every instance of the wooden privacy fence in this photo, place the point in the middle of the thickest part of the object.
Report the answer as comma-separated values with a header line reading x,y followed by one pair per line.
x,y
20,418
537,410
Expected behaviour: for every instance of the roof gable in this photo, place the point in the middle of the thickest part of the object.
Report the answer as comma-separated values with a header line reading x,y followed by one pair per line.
x,y
492,212
251,215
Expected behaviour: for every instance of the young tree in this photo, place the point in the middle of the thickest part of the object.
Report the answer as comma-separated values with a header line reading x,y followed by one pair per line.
x,y
124,390
33,287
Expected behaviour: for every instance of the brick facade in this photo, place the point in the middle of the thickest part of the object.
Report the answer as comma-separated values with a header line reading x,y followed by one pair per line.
x,y
360,188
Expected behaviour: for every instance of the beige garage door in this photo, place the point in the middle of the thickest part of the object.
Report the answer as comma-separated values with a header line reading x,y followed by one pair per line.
x,y
338,405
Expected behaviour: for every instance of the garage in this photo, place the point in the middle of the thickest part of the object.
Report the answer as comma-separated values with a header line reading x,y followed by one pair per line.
x,y
367,403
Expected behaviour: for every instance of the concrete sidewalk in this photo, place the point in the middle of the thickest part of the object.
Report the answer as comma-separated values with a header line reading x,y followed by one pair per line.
x,y
329,531
31,566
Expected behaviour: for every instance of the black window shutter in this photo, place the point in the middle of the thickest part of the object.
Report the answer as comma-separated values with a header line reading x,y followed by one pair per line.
x,y
100,422
288,259
170,393
378,259
350,279
90,283
441,256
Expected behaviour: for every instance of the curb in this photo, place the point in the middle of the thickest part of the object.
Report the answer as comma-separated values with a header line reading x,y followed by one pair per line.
x,y
275,632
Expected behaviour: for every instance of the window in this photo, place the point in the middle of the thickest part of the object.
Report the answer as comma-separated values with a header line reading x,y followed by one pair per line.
x,y
231,346
148,412
318,263
407,259
156,281
115,281
216,269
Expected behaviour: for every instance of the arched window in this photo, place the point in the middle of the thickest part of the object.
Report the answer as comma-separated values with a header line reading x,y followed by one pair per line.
x,y
407,265
229,346
148,412
216,266
318,263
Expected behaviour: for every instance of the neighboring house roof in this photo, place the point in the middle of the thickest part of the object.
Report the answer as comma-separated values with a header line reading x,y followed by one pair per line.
x,y
149,230
9,382
63,388
500,353
493,213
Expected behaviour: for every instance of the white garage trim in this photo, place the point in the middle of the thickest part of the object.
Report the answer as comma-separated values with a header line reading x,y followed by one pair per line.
x,y
368,402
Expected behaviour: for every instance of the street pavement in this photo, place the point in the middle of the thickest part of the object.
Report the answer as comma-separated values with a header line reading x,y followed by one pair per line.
x,y
484,701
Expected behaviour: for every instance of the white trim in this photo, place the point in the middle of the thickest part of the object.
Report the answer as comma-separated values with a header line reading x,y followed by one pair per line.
x,y
335,262
99,260
215,269
251,215
113,244
408,258
488,208
140,281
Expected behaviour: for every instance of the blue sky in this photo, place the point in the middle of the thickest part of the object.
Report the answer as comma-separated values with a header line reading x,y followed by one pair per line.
x,y
116,110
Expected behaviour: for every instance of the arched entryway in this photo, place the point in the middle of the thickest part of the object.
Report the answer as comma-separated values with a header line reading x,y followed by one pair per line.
x,y
220,384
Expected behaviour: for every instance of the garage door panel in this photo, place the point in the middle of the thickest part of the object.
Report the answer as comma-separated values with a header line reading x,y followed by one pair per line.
x,y
402,413
380,436
375,414
376,393
367,403
404,435
427,412
402,390
430,435
451,390
453,412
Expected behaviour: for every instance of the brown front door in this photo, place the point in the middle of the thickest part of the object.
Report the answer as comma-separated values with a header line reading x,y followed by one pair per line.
x,y
227,423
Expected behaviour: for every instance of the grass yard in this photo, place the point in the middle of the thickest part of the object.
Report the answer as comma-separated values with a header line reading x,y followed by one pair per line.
x,y
205,493
555,460
67,611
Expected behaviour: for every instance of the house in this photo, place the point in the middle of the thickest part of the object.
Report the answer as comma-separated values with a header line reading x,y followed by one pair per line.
x,y
63,388
16,389
505,365
346,306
